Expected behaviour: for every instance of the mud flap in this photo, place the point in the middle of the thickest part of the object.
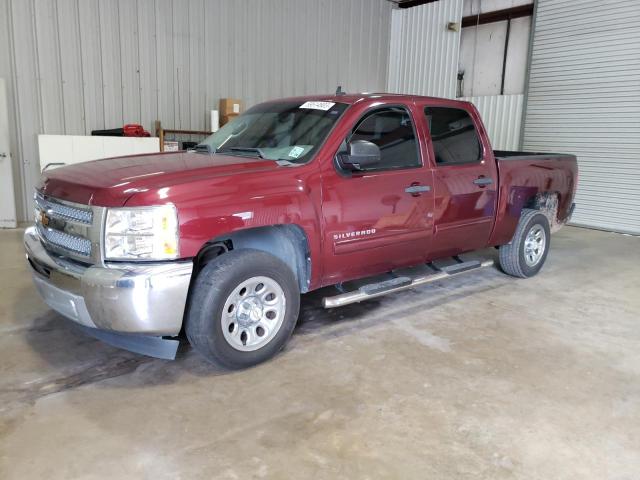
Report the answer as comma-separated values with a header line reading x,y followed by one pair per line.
x,y
158,347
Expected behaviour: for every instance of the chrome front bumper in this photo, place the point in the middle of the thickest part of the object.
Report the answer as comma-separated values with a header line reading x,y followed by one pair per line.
x,y
127,298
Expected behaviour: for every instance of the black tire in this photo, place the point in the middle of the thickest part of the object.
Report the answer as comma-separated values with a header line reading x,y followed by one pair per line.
x,y
214,286
513,258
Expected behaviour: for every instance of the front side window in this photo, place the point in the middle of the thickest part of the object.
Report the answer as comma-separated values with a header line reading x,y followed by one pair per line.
x,y
391,129
453,135
291,131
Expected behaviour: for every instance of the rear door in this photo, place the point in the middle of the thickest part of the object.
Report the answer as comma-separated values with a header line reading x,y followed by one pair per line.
x,y
465,179
379,218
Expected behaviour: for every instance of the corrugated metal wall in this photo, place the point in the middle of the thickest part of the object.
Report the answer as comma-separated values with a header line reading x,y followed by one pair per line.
x,y
584,98
77,65
423,60
423,56
502,117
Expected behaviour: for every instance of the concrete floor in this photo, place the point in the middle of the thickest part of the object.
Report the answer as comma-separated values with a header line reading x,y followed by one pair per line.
x,y
482,377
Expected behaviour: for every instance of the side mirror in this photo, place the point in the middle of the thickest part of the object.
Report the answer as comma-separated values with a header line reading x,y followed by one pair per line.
x,y
362,153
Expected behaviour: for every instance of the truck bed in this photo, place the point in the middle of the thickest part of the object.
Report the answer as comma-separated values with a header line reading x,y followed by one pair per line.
x,y
530,176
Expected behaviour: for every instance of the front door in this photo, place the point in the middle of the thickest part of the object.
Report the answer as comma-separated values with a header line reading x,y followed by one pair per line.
x,y
379,218
465,182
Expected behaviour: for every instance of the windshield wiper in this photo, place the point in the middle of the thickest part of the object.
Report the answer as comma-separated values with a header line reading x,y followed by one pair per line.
x,y
244,149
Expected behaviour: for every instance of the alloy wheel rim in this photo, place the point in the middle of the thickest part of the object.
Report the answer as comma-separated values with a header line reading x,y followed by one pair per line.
x,y
253,313
534,245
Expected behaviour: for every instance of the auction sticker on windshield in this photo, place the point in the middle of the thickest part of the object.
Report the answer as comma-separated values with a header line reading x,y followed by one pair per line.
x,y
296,152
317,105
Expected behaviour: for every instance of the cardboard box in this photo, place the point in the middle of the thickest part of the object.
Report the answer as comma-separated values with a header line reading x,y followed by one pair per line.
x,y
171,146
227,118
230,106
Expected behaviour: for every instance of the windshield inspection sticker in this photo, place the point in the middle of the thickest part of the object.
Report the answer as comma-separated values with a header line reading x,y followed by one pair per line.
x,y
318,105
296,152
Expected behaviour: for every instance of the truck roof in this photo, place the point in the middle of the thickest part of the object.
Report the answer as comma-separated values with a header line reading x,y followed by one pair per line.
x,y
351,98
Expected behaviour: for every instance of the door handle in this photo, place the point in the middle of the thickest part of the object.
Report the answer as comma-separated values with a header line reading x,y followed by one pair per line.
x,y
416,190
483,181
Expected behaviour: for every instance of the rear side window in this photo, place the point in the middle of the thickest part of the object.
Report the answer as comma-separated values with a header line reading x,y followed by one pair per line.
x,y
392,130
454,136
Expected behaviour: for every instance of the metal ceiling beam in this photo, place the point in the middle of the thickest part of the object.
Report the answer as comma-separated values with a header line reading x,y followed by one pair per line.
x,y
410,3
498,15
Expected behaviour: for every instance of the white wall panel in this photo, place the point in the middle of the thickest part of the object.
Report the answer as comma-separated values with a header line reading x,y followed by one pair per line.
x,y
72,66
164,61
424,54
198,110
7,193
129,61
483,74
481,56
502,117
48,64
109,21
181,63
6,73
91,65
515,75
27,96
55,150
584,98
147,62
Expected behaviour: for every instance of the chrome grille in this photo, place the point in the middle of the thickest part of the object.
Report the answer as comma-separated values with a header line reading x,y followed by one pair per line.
x,y
63,211
69,229
79,245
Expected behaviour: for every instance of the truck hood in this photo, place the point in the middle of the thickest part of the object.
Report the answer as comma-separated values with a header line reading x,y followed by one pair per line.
x,y
110,182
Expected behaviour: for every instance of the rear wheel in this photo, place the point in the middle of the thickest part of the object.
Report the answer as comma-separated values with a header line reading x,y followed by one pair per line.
x,y
243,309
526,253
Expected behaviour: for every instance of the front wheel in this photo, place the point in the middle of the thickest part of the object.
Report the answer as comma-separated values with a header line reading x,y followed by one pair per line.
x,y
526,253
243,308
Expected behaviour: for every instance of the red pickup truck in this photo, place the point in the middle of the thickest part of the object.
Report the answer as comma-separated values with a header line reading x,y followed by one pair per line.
x,y
291,196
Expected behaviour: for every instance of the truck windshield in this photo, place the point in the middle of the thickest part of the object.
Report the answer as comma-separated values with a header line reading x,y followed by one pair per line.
x,y
291,131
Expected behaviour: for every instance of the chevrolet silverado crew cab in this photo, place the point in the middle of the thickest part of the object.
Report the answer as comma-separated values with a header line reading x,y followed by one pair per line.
x,y
356,191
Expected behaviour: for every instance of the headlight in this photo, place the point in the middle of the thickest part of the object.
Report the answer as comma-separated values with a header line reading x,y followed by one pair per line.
x,y
141,233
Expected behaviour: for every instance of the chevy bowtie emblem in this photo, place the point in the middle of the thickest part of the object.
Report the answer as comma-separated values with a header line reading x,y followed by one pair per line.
x,y
44,220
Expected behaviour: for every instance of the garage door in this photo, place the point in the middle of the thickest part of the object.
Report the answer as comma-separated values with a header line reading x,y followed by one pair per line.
x,y
584,98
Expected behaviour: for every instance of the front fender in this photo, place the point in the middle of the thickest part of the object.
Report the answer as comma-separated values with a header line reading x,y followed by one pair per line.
x,y
215,208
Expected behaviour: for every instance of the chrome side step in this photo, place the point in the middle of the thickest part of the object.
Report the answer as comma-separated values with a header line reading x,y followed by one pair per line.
x,y
398,284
